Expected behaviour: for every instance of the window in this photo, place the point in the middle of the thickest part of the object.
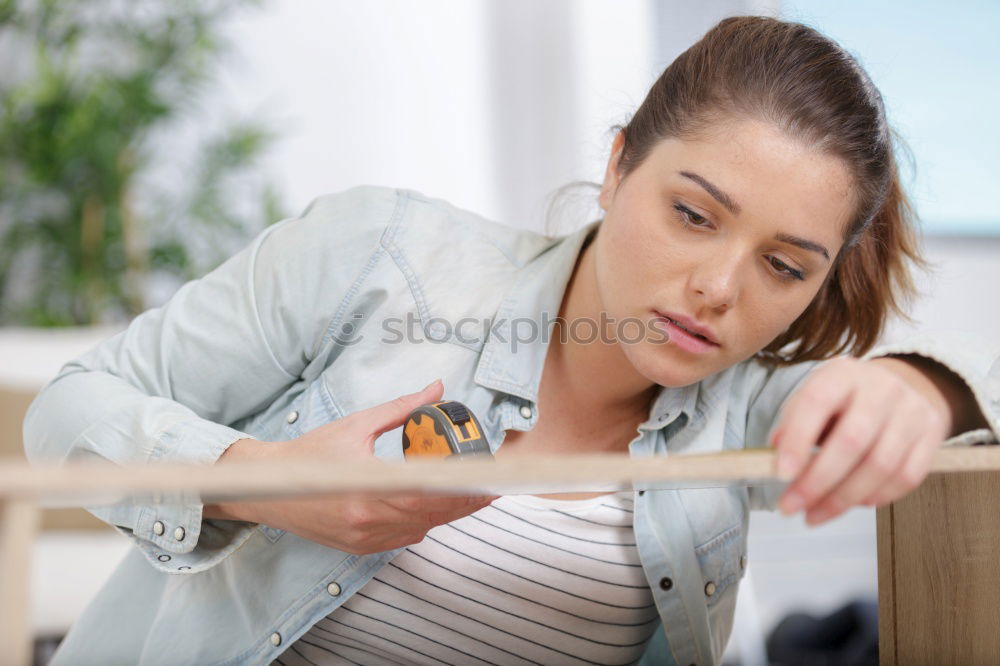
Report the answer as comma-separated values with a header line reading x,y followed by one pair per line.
x,y
937,67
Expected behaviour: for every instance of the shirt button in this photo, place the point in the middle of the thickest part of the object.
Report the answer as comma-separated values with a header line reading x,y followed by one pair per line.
x,y
436,331
276,639
709,588
179,534
743,561
333,589
526,411
163,558
158,528
666,583
292,417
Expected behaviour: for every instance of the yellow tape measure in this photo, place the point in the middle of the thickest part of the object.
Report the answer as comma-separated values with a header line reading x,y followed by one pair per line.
x,y
442,430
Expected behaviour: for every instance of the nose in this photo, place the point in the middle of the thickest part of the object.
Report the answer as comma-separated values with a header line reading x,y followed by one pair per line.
x,y
716,282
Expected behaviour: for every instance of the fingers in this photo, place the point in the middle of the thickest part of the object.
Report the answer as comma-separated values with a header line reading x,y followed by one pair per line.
x,y
853,435
359,524
910,475
805,415
875,471
394,523
882,436
392,414
432,511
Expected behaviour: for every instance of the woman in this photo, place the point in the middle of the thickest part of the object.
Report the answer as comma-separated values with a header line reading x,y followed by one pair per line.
x,y
754,227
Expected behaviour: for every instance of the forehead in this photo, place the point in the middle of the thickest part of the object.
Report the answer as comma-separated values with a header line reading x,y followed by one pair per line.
x,y
778,182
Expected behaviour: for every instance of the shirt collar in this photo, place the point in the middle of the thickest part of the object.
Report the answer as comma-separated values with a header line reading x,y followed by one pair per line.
x,y
513,355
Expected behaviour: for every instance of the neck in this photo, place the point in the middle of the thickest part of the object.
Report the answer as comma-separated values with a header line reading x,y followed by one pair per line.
x,y
595,377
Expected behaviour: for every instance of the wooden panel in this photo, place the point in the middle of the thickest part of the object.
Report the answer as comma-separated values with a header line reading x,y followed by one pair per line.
x,y
939,573
18,523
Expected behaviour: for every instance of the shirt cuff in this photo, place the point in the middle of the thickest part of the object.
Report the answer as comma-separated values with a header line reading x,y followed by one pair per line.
x,y
171,531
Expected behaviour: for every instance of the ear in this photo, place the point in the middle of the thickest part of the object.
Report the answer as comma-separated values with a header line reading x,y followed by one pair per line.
x,y
611,176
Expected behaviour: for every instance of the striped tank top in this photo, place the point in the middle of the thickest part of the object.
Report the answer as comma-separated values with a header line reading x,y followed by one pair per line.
x,y
526,580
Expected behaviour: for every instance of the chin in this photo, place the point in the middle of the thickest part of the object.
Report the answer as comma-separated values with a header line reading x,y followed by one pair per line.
x,y
663,369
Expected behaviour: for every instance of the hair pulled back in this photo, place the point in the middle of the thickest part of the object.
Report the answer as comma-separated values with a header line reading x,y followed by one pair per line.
x,y
804,83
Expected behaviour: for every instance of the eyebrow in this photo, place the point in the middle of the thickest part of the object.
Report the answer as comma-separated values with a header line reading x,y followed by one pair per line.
x,y
803,243
734,208
716,193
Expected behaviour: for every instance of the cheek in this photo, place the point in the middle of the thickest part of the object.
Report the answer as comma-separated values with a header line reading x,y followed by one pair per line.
x,y
630,266
644,248
780,314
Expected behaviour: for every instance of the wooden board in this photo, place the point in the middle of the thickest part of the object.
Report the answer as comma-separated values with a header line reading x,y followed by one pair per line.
x,y
940,592
96,483
939,573
101,482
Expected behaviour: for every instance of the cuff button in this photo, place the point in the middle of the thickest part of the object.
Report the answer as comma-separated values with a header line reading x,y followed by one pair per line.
x,y
179,534
158,528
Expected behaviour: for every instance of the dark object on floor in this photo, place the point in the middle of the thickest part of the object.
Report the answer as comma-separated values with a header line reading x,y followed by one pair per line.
x,y
846,637
45,648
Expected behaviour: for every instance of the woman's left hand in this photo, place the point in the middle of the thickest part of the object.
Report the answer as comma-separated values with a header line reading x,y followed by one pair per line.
x,y
878,422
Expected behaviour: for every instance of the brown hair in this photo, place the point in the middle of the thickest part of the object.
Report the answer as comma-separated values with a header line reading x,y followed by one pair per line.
x,y
792,76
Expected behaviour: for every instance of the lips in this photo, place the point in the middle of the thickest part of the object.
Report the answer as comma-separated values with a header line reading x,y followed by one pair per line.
x,y
691,326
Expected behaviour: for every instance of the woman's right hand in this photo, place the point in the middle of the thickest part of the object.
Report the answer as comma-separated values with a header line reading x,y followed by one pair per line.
x,y
358,524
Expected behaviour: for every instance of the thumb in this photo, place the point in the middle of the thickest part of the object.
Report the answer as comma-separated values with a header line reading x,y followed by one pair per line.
x,y
392,414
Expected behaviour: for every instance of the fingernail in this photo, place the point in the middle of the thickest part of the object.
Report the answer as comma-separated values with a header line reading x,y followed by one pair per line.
x,y
791,503
818,516
436,381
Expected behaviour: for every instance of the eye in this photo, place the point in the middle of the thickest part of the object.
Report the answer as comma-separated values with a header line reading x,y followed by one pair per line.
x,y
786,271
689,217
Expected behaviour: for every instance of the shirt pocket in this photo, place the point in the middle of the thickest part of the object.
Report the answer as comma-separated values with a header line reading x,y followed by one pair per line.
x,y
722,560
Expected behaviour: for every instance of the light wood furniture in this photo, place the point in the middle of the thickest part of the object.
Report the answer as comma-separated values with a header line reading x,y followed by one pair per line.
x,y
939,572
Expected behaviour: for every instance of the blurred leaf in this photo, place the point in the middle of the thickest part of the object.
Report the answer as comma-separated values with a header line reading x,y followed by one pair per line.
x,y
74,145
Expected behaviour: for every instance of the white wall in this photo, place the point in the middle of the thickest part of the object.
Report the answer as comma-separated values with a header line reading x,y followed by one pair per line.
x,y
490,105
962,290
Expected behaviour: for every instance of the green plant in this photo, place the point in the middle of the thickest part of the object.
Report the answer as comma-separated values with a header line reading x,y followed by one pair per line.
x,y
85,119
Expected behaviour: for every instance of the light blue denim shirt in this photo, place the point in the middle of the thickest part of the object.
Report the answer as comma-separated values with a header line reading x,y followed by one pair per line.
x,y
305,325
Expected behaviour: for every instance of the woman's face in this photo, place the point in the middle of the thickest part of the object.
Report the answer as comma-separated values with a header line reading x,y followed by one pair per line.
x,y
735,229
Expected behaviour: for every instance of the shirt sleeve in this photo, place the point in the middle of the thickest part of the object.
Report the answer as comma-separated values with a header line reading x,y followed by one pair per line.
x,y
223,348
971,357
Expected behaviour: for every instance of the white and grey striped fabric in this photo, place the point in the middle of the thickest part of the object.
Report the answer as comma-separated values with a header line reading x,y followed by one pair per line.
x,y
527,580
